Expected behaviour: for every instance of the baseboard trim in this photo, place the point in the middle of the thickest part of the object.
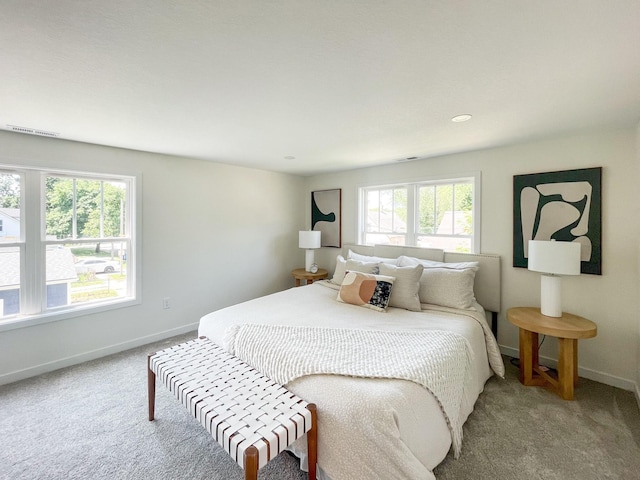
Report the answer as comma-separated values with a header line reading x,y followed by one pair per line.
x,y
93,354
595,375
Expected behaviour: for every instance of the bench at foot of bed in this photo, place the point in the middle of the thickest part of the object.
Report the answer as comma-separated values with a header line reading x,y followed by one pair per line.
x,y
249,415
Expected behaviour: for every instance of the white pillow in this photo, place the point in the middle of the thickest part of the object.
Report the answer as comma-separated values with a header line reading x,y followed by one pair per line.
x,y
371,259
445,284
406,286
448,287
343,266
404,261
338,273
365,290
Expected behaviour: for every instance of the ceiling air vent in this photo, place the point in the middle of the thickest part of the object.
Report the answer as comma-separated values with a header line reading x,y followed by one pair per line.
x,y
32,131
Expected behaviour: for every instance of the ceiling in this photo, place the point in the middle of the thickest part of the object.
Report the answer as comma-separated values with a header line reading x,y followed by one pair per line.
x,y
308,86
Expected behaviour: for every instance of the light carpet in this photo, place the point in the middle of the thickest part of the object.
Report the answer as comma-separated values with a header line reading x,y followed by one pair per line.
x,y
90,422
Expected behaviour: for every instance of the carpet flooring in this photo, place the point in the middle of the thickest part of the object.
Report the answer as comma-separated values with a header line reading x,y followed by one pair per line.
x,y
89,421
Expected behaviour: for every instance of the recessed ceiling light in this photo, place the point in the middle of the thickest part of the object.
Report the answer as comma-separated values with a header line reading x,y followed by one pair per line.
x,y
461,118
289,157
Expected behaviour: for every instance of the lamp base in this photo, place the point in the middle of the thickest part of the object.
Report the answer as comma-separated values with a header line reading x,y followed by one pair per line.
x,y
551,295
308,260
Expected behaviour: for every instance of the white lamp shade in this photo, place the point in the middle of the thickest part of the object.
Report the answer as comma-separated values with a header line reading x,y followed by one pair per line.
x,y
309,239
556,258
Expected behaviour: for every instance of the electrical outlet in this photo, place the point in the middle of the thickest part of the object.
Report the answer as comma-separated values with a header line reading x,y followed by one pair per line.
x,y
166,302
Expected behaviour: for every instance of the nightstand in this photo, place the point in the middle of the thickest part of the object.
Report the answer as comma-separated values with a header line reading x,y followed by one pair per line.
x,y
568,329
302,274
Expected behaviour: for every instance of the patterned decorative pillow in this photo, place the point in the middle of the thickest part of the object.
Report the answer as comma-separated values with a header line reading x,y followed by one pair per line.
x,y
366,290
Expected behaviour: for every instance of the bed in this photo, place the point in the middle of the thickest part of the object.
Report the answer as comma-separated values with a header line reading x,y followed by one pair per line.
x,y
374,424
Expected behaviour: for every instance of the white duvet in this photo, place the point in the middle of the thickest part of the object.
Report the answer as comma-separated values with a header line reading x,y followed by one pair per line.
x,y
369,428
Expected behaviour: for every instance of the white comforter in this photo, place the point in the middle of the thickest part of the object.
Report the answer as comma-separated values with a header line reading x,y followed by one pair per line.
x,y
369,428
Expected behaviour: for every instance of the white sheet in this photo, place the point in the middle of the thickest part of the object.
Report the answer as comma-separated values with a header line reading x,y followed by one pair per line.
x,y
368,428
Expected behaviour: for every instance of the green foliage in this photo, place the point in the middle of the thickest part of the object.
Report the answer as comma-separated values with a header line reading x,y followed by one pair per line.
x,y
9,190
89,252
464,196
92,295
95,201
436,200
87,279
89,276
387,210
464,204
400,205
426,212
59,206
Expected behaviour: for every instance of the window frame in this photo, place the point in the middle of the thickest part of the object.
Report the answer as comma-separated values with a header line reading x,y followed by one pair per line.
x,y
413,185
33,246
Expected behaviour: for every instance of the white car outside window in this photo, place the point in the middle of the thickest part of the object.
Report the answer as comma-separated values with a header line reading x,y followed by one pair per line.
x,y
97,265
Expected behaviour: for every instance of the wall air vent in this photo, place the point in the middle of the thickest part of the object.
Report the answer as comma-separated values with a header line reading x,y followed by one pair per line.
x,y
32,131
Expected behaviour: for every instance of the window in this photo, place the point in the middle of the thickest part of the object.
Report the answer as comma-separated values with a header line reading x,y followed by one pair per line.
x,y
67,243
432,213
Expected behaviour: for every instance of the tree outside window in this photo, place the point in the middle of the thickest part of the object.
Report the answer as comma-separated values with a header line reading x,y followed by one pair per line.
x,y
435,214
85,242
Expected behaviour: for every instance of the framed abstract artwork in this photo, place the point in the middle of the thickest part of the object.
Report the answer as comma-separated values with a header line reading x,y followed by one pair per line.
x,y
326,216
565,206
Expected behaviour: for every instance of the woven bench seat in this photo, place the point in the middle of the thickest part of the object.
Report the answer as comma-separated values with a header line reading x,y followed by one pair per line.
x,y
249,415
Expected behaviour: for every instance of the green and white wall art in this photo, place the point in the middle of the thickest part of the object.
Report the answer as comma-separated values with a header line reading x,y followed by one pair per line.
x,y
565,206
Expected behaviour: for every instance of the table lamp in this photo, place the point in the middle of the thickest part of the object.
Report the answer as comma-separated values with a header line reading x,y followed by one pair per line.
x,y
553,260
309,239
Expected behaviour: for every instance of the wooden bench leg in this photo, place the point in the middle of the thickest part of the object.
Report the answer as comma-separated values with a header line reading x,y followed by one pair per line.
x,y
251,463
151,387
312,442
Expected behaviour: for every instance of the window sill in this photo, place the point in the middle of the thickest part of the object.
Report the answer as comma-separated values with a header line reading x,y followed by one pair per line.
x,y
55,316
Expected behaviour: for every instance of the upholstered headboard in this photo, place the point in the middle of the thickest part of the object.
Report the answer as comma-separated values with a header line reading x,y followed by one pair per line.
x,y
487,284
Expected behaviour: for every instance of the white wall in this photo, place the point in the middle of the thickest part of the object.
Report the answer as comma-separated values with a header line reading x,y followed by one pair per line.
x,y
636,214
212,235
611,300
234,248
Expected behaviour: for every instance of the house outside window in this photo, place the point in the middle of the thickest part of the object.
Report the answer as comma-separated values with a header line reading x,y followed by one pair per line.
x,y
432,213
68,244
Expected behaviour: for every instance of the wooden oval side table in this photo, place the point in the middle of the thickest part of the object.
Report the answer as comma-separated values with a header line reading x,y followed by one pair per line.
x,y
568,329
302,274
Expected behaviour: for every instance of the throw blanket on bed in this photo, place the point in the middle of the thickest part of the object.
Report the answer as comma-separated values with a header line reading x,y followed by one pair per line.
x,y
439,361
